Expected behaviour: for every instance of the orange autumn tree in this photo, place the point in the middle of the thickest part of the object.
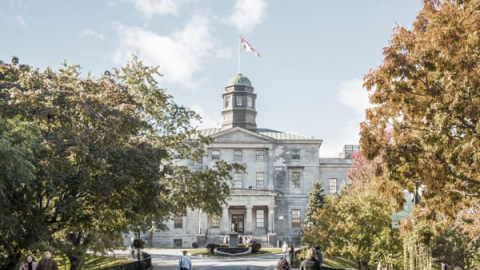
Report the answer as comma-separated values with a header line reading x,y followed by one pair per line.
x,y
427,94
427,91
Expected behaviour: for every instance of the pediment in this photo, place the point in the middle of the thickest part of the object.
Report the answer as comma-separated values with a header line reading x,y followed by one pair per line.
x,y
238,134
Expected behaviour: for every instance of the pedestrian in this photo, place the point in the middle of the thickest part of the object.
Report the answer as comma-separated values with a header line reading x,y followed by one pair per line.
x,y
29,263
47,263
310,262
291,251
185,263
282,264
319,255
132,251
285,248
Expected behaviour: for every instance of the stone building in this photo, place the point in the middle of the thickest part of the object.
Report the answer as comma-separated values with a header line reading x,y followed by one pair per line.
x,y
269,201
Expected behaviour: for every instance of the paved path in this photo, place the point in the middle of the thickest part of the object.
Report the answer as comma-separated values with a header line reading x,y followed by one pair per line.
x,y
167,259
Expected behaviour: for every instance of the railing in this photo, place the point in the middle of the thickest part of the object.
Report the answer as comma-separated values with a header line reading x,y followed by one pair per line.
x,y
144,263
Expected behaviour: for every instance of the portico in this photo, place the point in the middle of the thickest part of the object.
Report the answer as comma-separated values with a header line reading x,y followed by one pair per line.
x,y
249,209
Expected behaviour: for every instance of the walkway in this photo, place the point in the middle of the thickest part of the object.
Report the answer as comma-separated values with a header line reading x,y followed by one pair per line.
x,y
167,259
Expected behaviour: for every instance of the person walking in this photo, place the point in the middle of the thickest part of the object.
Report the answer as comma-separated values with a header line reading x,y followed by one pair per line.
x,y
285,249
29,263
47,263
310,262
291,251
185,263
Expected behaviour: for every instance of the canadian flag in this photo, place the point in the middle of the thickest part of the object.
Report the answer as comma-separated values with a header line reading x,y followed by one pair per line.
x,y
247,47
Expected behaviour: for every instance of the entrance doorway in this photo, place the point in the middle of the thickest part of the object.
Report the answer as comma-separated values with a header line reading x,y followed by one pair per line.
x,y
240,222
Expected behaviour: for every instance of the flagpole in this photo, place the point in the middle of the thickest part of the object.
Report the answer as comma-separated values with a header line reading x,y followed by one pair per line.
x,y
238,57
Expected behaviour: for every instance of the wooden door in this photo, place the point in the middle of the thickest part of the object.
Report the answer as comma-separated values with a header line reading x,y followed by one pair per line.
x,y
239,219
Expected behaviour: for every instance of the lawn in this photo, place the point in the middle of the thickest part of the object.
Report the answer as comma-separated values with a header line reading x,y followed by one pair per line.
x,y
92,262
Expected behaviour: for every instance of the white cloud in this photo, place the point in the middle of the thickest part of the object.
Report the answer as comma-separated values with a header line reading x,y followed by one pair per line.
x,y
20,21
88,32
353,96
247,14
150,8
209,120
179,55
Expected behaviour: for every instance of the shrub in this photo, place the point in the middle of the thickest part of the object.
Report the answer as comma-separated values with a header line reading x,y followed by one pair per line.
x,y
138,243
256,247
211,248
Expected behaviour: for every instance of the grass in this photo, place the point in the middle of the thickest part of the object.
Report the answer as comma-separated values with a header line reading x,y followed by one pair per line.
x,y
339,262
92,262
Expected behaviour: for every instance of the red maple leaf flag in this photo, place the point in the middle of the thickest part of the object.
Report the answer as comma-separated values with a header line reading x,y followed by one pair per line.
x,y
247,47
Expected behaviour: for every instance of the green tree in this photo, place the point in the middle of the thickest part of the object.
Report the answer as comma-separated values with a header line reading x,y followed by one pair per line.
x,y
357,222
315,201
106,160
427,94
19,141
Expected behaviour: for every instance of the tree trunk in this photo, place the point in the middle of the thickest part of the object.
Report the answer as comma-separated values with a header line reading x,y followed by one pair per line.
x,y
76,263
12,261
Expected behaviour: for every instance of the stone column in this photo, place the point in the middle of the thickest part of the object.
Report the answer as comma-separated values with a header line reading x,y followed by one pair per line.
x,y
225,225
271,227
249,221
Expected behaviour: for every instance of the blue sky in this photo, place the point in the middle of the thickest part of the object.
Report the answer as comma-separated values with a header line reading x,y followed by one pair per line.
x,y
308,80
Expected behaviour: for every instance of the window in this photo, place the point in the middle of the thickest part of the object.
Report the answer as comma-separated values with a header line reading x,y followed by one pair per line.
x,y
215,221
296,154
296,218
237,180
177,221
249,102
260,180
239,100
260,219
332,186
260,154
177,243
215,154
237,155
296,179
227,102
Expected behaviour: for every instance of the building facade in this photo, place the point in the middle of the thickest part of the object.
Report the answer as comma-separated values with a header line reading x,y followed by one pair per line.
x,y
269,200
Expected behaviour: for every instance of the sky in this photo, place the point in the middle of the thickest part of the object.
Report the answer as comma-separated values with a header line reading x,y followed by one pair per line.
x,y
308,80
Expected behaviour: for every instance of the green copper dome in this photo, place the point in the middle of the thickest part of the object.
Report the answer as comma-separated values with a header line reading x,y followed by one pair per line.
x,y
239,80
